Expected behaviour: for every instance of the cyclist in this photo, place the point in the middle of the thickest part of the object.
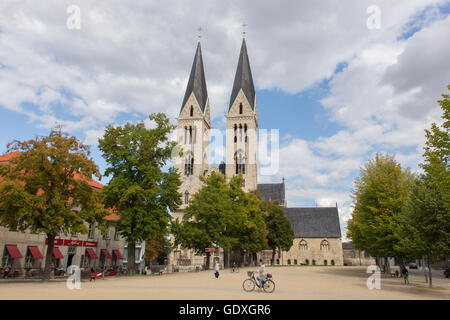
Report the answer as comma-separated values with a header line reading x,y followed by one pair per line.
x,y
234,266
261,275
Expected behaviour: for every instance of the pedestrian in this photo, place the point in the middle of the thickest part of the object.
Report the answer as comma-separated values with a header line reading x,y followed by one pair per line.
x,y
92,274
216,273
405,275
6,271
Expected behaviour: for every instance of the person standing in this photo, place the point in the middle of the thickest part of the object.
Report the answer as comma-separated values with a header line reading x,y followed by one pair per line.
x,y
405,275
216,268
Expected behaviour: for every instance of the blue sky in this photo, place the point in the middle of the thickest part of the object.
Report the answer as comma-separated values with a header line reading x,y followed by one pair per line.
x,y
337,90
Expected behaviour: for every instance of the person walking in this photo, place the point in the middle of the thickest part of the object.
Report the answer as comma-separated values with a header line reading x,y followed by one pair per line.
x,y
216,268
405,275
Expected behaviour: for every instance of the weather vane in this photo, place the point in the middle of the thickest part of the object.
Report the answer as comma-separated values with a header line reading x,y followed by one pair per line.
x,y
199,32
243,28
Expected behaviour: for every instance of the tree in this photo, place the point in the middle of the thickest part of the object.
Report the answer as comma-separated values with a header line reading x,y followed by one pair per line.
x,y
379,195
139,189
251,229
280,233
425,223
45,188
221,215
426,215
157,248
208,219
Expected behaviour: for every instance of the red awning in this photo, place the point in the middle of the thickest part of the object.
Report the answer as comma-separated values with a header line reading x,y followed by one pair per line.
x,y
91,253
35,252
13,251
106,254
57,253
117,253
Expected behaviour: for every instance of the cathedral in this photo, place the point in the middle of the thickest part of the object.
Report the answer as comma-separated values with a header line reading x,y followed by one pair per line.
x,y
317,230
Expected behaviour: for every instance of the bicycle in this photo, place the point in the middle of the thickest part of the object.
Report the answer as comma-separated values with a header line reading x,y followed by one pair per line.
x,y
250,283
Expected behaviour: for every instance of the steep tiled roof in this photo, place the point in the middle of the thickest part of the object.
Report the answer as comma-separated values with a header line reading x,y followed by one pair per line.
x,y
197,82
314,222
243,79
348,245
272,192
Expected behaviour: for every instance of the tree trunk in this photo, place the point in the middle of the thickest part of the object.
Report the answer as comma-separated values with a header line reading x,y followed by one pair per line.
x,y
131,264
387,267
255,258
208,255
424,266
429,272
48,257
401,262
272,261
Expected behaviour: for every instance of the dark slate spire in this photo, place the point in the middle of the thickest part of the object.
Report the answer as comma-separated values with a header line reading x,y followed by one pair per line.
x,y
197,82
243,78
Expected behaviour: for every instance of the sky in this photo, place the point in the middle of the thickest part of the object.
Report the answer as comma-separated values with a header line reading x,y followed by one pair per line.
x,y
340,80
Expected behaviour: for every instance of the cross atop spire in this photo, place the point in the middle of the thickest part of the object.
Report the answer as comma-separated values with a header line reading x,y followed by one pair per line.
x,y
243,29
199,32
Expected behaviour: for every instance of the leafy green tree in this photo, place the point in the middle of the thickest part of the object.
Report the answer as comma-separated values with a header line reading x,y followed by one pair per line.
x,y
45,188
139,189
221,215
280,233
379,195
208,221
251,228
426,216
425,223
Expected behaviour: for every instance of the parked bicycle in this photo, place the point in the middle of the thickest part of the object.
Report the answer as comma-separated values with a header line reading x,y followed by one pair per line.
x,y
267,284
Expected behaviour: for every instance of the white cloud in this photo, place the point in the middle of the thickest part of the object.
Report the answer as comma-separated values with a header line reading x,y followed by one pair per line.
x,y
134,58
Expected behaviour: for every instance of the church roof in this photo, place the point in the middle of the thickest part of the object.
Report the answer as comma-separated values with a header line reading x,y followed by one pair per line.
x,y
243,79
272,192
197,82
314,222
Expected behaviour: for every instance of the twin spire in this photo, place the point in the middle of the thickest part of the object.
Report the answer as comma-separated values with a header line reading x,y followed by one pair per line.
x,y
243,80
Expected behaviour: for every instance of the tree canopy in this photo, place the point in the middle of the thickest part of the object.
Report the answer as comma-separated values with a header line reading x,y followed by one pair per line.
x,y
379,195
46,188
222,215
139,189
280,233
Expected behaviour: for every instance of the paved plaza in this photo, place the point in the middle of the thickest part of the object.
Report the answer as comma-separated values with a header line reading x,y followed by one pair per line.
x,y
302,283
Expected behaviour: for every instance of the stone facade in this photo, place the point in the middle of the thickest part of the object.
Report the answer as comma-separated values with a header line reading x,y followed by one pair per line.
x,y
314,251
242,140
355,257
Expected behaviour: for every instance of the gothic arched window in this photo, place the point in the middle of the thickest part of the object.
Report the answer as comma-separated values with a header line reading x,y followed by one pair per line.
x,y
235,133
240,108
245,133
186,197
192,111
303,245
240,132
189,164
239,159
185,134
324,245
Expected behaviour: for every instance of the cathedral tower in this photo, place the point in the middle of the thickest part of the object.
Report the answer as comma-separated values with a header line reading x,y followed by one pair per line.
x,y
242,125
193,130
